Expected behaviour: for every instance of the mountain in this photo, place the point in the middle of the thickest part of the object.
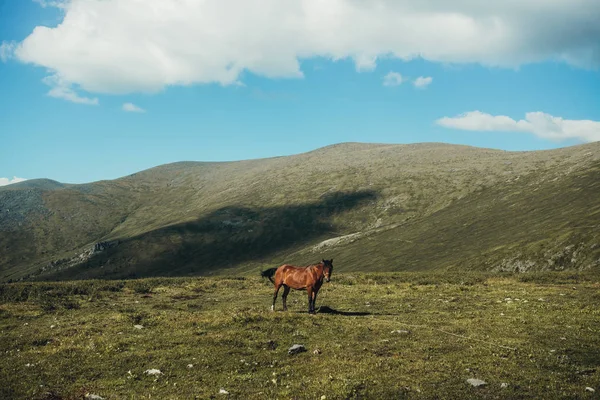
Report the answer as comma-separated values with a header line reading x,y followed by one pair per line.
x,y
371,207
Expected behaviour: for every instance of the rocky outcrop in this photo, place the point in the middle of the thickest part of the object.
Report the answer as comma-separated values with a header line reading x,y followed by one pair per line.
x,y
85,255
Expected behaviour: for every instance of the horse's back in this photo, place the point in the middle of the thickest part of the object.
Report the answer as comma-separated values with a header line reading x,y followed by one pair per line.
x,y
293,276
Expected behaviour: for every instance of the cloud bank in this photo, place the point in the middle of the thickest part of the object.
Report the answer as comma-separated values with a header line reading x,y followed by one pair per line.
x,y
540,124
125,46
7,181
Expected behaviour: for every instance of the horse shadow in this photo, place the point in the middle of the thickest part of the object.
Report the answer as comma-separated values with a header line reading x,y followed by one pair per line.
x,y
333,311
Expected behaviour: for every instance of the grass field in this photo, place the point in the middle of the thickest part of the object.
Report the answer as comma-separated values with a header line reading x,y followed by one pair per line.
x,y
378,336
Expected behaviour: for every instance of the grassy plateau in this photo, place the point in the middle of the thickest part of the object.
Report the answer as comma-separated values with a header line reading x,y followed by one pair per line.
x,y
377,336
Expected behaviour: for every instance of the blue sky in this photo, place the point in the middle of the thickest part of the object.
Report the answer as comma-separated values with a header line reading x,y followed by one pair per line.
x,y
63,92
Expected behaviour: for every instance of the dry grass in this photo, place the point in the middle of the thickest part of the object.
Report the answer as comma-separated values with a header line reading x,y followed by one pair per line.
x,y
538,334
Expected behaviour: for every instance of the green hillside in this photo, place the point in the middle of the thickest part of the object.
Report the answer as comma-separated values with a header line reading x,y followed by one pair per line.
x,y
370,207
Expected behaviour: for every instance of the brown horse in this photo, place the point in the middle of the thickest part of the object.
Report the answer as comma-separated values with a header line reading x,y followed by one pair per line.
x,y
309,278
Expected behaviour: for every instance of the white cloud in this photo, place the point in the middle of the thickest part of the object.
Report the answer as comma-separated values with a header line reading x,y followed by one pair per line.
x,y
51,3
7,181
61,89
540,124
422,82
7,50
130,107
392,79
124,46
67,93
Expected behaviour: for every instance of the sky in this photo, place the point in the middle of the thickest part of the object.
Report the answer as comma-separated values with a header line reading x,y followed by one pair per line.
x,y
99,89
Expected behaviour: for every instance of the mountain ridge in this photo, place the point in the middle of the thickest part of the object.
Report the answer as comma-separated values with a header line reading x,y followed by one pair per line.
x,y
197,218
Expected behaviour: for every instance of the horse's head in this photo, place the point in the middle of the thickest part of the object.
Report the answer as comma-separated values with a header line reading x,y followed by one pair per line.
x,y
327,269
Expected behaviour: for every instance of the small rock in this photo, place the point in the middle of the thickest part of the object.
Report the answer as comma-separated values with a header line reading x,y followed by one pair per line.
x,y
401,332
93,397
190,365
476,382
323,397
590,389
138,326
297,348
223,391
503,385
316,351
153,371
52,326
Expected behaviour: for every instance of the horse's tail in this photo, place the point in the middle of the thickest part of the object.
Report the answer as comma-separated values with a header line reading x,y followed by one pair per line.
x,y
269,273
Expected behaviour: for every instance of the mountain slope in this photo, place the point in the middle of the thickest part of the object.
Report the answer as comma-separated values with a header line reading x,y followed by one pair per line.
x,y
369,206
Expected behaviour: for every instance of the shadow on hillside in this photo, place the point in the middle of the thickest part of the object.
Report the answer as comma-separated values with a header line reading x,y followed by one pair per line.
x,y
224,238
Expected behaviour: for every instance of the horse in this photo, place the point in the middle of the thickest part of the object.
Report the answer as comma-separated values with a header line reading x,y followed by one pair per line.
x,y
309,278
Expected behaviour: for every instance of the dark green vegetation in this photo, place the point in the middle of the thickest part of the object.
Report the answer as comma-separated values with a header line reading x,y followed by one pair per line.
x,y
370,207
394,335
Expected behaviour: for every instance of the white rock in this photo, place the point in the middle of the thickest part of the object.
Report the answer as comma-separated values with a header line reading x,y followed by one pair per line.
x,y
503,385
138,326
93,397
401,332
223,391
190,365
476,382
589,389
153,371
297,348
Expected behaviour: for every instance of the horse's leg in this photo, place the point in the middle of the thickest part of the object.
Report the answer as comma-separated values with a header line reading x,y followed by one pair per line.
x,y
310,301
286,290
315,299
277,286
